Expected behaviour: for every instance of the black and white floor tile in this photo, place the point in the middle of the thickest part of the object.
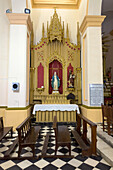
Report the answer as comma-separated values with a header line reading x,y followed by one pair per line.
x,y
78,162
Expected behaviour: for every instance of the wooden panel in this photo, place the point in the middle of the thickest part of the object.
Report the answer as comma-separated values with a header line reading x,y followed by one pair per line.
x,y
43,116
40,116
66,116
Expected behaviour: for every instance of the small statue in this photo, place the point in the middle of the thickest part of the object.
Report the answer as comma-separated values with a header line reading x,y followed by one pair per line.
x,y
55,82
71,79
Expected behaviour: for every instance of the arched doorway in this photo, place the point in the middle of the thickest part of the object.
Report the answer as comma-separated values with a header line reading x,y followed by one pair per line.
x,y
55,66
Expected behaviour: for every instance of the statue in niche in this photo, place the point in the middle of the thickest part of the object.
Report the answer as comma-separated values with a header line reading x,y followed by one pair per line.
x,y
71,79
55,82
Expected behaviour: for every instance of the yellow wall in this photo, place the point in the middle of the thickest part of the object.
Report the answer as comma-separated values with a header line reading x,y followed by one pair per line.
x,y
2,112
14,117
95,115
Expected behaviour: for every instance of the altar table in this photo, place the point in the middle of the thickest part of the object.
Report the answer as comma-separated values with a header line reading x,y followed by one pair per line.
x,y
64,112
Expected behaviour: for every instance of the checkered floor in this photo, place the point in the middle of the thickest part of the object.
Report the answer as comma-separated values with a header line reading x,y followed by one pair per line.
x,y
78,162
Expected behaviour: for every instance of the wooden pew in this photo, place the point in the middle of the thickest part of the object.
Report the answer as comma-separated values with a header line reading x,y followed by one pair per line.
x,y
88,147
27,135
11,148
62,136
4,130
44,150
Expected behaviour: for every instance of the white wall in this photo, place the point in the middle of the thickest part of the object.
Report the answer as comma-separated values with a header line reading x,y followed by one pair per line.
x,y
17,65
29,5
18,6
82,10
4,50
94,7
40,16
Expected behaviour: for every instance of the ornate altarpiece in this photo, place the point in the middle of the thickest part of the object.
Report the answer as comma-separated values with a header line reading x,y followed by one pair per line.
x,y
55,53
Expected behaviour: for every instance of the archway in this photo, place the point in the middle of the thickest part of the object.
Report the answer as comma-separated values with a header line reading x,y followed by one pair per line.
x,y
55,66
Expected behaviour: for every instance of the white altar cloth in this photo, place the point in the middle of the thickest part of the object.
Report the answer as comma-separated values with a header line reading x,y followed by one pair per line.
x,y
56,107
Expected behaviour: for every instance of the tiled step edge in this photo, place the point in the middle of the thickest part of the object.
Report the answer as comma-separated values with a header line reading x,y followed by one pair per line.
x,y
103,149
105,152
104,136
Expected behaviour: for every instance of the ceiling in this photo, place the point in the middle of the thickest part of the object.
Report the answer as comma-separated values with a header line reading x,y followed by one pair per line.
x,y
107,9
66,4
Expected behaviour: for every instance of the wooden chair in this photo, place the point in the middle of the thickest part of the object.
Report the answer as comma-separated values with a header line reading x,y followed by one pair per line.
x,y
104,115
110,120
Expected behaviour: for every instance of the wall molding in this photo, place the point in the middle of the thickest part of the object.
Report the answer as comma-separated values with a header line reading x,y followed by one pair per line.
x,y
91,107
20,19
91,21
62,4
19,108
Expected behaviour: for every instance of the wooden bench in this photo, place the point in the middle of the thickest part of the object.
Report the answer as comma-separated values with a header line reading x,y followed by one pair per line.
x,y
80,135
27,135
11,148
44,149
4,130
62,136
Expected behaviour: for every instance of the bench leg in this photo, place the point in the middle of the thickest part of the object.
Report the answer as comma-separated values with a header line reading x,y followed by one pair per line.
x,y
19,151
70,149
11,132
56,147
109,129
33,150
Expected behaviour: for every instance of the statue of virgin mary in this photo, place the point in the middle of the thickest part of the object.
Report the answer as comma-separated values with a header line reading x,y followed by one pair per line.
x,y
55,82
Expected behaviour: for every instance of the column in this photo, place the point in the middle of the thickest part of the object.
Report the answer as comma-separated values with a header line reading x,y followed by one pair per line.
x,y
19,59
91,60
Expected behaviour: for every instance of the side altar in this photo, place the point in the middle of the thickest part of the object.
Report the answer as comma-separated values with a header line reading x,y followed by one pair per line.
x,y
55,65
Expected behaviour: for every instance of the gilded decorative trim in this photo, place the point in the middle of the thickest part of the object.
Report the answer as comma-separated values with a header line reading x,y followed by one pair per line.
x,y
91,21
19,108
3,107
87,7
63,4
55,56
26,3
89,107
20,19
79,69
84,69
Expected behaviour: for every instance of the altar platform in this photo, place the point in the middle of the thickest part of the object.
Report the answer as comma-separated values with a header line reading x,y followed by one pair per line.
x,y
64,112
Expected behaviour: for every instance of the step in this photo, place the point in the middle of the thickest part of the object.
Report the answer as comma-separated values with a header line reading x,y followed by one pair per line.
x,y
104,145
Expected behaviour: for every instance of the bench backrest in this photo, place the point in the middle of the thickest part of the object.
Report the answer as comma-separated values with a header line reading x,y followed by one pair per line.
x,y
81,119
1,123
110,114
104,110
55,126
23,129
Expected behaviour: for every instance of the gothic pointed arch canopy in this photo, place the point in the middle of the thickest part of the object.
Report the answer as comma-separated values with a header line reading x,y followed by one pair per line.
x,y
55,30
